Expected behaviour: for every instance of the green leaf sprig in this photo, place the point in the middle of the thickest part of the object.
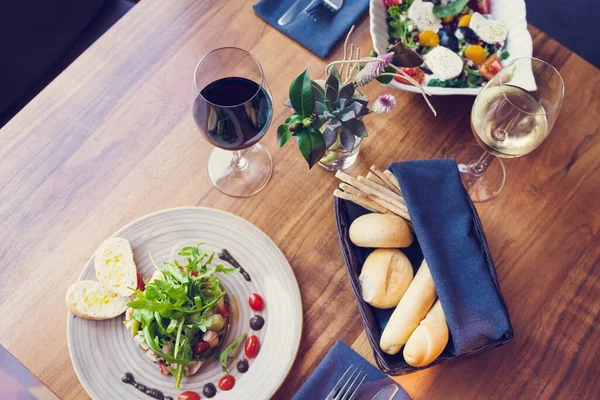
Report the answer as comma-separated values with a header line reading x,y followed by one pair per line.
x,y
333,108
229,350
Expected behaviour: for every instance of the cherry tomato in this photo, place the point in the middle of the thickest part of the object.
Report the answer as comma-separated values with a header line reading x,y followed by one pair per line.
x,y
200,347
476,54
429,39
256,302
490,67
224,311
389,3
252,346
162,368
484,6
227,382
416,73
194,273
464,20
188,395
141,285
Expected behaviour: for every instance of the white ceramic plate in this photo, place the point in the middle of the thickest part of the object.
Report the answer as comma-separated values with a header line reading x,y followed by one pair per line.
x,y
102,351
511,12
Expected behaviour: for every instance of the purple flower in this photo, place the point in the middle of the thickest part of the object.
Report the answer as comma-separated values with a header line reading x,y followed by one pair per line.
x,y
384,104
373,69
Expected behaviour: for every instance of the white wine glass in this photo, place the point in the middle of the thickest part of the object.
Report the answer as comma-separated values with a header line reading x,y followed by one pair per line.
x,y
511,116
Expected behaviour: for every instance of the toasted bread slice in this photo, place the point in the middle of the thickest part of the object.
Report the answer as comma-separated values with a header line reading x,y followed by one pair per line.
x,y
88,299
115,267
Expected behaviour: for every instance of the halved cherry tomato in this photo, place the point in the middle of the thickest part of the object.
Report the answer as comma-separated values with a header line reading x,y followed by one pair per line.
x,y
200,347
416,73
224,311
141,285
256,302
162,368
188,395
429,39
476,54
194,273
227,382
389,3
252,346
490,67
483,6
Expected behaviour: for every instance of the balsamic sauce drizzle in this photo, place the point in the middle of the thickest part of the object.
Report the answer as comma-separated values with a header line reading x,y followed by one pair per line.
x,y
154,393
226,256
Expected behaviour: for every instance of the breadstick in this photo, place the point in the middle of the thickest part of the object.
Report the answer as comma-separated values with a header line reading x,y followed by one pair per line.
x,y
350,189
382,189
364,188
372,177
384,178
361,201
396,210
392,178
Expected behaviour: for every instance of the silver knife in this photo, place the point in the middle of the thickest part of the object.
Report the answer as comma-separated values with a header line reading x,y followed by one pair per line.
x,y
295,11
387,393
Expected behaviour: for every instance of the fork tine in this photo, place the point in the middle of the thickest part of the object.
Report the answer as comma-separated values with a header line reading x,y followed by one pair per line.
x,y
353,394
340,381
340,394
346,390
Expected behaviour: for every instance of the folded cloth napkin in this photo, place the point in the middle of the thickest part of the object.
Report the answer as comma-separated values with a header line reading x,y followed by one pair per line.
x,y
318,36
453,244
333,366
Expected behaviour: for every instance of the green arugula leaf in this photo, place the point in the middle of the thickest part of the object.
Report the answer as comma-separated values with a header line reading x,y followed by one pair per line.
x,y
302,95
229,350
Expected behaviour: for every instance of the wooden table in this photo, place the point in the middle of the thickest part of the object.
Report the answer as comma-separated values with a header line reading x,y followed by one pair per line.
x,y
112,139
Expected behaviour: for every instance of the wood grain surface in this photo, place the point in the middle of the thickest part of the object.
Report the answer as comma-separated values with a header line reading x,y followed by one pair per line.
x,y
112,139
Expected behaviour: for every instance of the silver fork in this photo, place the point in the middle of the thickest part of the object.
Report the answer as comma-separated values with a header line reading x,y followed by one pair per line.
x,y
345,388
324,9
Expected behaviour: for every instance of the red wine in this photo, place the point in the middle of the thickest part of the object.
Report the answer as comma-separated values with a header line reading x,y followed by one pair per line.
x,y
233,113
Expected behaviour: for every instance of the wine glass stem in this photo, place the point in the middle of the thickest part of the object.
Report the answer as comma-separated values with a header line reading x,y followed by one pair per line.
x,y
239,162
479,167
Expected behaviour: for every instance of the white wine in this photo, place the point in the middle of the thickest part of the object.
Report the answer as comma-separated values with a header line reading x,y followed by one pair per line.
x,y
508,121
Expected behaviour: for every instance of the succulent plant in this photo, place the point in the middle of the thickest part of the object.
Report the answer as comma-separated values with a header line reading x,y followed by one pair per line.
x,y
327,105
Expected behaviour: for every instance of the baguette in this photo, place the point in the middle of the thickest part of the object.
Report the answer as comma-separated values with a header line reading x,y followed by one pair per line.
x,y
429,339
413,307
115,267
89,300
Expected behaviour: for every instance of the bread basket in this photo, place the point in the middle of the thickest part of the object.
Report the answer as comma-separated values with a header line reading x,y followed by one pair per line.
x,y
373,319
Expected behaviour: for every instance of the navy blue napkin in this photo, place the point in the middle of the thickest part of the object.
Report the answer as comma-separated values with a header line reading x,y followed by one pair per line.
x,y
452,242
318,36
333,366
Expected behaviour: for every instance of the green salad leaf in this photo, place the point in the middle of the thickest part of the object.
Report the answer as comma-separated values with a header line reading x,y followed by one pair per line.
x,y
458,82
450,9
172,313
229,350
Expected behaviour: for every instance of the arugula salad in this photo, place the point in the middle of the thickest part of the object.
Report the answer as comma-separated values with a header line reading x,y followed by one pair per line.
x,y
179,316
461,43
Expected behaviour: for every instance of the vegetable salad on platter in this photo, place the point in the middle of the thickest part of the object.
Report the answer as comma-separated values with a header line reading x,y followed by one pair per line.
x,y
179,316
461,44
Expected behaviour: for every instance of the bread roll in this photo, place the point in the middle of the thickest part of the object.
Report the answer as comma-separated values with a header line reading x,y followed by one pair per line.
x,y
429,339
413,306
384,278
380,231
115,267
88,299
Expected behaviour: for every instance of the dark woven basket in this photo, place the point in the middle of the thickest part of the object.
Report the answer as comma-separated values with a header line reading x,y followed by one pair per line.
x,y
374,319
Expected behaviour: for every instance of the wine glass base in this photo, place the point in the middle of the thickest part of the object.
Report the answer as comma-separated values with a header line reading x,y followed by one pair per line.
x,y
243,177
480,186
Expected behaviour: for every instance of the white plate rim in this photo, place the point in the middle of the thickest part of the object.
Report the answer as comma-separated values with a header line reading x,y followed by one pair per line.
x,y
517,32
196,208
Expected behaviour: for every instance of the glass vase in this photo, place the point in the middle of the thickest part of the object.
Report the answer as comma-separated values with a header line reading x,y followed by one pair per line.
x,y
337,157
